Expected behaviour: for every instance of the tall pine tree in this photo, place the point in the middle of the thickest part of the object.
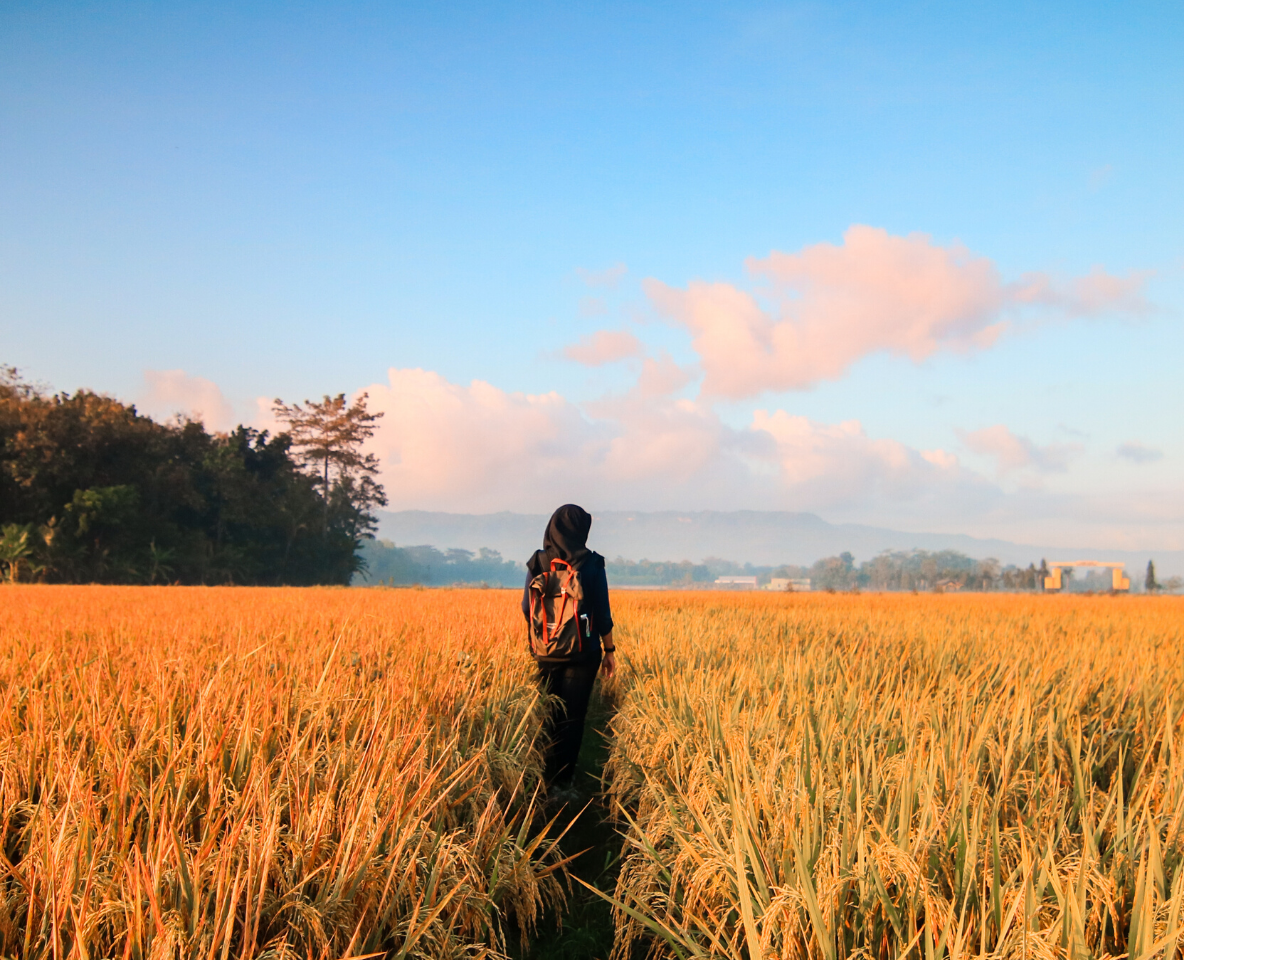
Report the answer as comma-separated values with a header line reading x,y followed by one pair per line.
x,y
328,435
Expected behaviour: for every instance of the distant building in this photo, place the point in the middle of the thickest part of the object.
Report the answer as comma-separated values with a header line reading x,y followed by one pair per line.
x,y
740,583
790,584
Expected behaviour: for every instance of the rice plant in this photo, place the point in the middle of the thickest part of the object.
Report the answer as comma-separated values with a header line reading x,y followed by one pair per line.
x,y
897,776
218,773
190,772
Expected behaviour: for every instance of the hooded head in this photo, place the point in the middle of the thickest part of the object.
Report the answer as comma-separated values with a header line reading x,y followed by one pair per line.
x,y
566,535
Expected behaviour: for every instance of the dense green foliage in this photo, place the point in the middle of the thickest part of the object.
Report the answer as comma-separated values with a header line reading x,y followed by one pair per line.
x,y
93,491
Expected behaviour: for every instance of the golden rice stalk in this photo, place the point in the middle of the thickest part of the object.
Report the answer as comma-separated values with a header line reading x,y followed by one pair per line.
x,y
190,772
894,776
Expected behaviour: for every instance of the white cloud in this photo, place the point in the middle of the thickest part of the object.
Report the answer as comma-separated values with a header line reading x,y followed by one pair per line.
x,y
1092,295
661,376
171,392
604,346
477,448
1015,453
836,303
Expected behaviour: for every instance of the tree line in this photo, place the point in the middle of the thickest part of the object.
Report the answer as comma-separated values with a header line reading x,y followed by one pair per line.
x,y
905,570
93,491
388,564
925,570
951,570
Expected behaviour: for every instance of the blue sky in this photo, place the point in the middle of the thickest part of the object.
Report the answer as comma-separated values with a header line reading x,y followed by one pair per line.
x,y
296,199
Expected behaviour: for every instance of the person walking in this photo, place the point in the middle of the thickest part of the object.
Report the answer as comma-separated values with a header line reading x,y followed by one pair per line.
x,y
566,607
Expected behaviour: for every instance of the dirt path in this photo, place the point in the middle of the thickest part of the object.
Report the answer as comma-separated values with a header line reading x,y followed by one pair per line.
x,y
587,926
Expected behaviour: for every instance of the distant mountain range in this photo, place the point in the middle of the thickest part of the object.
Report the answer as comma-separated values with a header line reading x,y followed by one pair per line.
x,y
745,536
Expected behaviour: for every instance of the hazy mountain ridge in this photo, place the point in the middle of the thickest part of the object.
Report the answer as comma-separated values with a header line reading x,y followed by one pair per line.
x,y
745,536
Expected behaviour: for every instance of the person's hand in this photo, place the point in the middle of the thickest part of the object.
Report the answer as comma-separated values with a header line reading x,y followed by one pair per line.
x,y
610,664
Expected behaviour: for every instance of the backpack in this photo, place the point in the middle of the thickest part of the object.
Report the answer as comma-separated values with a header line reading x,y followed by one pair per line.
x,y
556,626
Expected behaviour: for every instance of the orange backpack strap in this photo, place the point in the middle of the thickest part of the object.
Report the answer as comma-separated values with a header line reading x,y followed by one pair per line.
x,y
564,599
564,602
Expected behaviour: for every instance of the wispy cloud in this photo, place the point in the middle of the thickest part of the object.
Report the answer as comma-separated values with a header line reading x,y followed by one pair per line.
x,y
171,392
828,305
604,346
1138,453
1015,453
608,277
1091,295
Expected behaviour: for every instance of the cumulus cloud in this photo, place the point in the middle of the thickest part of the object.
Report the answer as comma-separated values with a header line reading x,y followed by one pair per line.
x,y
1137,452
604,346
940,458
817,462
175,391
608,277
478,448
661,376
831,304
667,451
1014,453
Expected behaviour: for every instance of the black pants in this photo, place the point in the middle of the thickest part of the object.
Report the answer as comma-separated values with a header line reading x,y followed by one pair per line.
x,y
571,683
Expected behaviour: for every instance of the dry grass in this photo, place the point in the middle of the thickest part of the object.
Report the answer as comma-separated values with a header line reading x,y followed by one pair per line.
x,y
894,776
190,772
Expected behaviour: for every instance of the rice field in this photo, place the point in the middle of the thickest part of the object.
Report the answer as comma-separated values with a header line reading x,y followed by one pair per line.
x,y
223,772
240,772
893,776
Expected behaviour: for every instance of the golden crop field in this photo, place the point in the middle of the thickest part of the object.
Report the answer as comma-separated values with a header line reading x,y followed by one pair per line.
x,y
332,773
891,775
241,772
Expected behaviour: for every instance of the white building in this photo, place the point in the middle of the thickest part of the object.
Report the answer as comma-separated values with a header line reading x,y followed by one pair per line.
x,y
742,583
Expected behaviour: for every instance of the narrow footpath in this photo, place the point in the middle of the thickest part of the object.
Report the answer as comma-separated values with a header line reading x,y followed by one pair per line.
x,y
586,931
